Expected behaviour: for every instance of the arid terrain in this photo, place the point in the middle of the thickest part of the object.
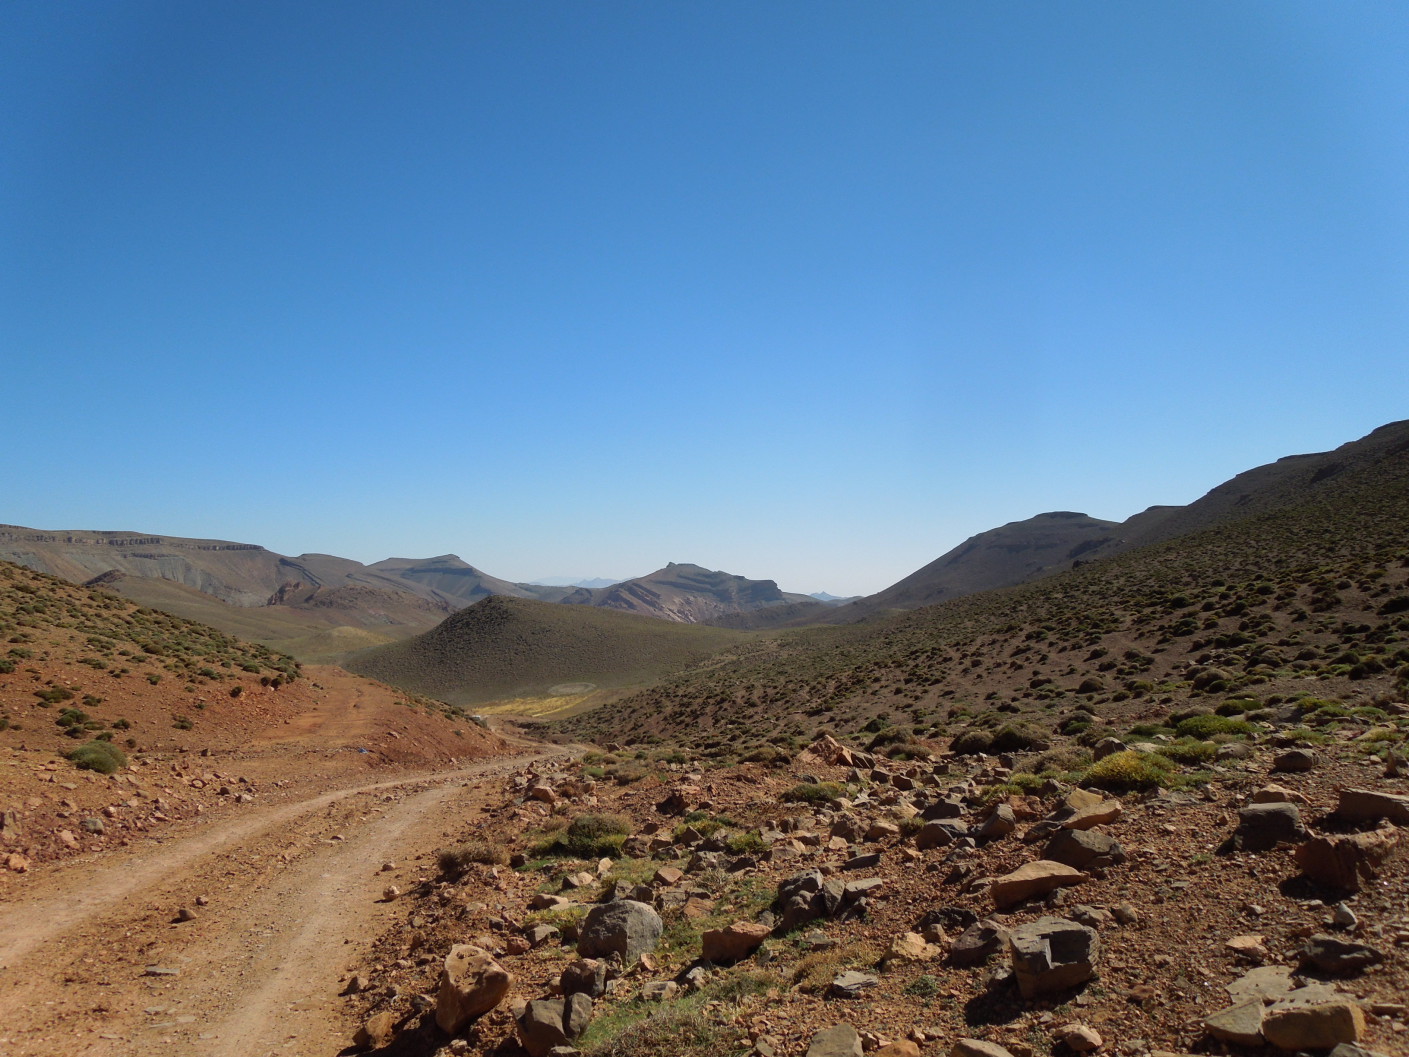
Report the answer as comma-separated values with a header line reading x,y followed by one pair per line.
x,y
1143,794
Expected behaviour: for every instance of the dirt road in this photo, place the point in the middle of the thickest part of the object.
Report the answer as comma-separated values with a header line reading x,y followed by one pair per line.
x,y
286,896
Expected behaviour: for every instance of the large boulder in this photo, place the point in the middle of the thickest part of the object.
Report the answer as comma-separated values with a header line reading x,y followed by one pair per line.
x,y
1033,879
546,1023
1344,861
1262,827
624,926
1369,805
1052,954
471,984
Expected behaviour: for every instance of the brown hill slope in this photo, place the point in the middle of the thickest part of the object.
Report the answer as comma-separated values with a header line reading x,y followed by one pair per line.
x,y
509,647
1306,598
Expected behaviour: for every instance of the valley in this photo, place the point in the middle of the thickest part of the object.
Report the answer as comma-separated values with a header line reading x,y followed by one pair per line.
x,y
1135,788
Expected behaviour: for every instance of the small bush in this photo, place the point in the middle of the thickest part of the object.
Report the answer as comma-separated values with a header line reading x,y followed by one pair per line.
x,y
1124,772
1206,726
972,743
101,756
814,792
923,987
590,837
1188,751
453,862
749,843
1019,737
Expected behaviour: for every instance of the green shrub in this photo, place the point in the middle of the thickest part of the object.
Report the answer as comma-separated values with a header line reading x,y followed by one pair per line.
x,y
101,756
589,837
814,792
972,743
1188,751
1206,726
1124,772
1019,737
749,843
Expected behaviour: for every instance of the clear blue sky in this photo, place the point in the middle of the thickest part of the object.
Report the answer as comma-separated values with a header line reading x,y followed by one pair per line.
x,y
804,291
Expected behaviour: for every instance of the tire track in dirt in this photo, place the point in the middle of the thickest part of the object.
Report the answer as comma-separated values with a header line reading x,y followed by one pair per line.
x,y
71,956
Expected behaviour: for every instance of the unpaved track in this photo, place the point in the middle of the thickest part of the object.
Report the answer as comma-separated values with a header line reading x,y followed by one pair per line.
x,y
294,896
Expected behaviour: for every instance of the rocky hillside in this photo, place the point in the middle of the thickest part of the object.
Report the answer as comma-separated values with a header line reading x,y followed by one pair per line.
x,y
1001,557
1302,601
839,902
512,647
1051,543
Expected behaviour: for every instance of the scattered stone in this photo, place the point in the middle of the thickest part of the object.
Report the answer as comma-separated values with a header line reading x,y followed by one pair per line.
x,y
907,948
1092,917
979,942
390,892
1249,949
1368,805
377,1031
471,984
625,927
1262,985
185,914
538,935
1240,1023
586,976
1342,917
1033,879
978,1048
1261,827
1334,955
1083,848
1279,794
938,833
998,824
734,943
1080,1038
1052,954
839,1041
1296,761
659,990
903,1048
546,1023
1107,747
1315,1026
667,876
852,984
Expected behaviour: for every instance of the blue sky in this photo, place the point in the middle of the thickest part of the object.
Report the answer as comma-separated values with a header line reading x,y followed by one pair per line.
x,y
804,291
